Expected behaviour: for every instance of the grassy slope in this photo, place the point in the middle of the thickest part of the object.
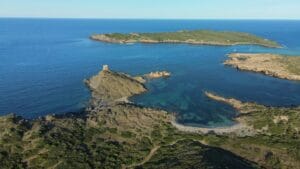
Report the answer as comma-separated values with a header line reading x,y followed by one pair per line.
x,y
210,37
277,143
92,142
111,85
123,135
292,64
276,65
187,154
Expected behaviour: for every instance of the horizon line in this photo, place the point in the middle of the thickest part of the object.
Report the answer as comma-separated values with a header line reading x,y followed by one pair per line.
x,y
95,18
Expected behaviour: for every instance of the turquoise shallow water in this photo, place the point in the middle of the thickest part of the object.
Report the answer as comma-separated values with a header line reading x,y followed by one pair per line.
x,y
44,61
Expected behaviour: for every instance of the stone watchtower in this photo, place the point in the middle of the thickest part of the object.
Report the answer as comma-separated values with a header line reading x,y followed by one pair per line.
x,y
105,68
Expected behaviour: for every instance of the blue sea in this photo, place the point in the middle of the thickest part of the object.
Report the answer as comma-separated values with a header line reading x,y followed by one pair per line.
x,y
43,63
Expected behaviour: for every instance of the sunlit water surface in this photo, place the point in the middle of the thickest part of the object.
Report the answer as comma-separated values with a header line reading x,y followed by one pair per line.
x,y
43,63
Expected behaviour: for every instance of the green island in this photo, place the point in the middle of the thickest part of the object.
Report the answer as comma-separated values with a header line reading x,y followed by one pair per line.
x,y
115,133
275,65
197,37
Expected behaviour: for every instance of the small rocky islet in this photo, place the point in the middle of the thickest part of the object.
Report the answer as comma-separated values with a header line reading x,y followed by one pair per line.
x,y
113,133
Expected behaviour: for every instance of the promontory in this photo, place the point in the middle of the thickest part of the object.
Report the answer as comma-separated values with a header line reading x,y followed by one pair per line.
x,y
117,134
280,66
197,37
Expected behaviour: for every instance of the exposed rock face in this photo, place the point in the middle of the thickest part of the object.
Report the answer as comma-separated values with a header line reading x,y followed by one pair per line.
x,y
278,119
141,79
269,64
110,86
158,74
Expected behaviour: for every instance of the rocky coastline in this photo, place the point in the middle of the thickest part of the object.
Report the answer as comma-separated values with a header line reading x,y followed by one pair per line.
x,y
279,66
103,86
114,133
199,37
254,121
109,86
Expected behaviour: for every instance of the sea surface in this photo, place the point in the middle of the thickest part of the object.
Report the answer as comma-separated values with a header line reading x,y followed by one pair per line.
x,y
43,63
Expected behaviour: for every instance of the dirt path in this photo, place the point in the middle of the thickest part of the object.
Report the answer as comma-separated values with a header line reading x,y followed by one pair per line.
x,y
146,159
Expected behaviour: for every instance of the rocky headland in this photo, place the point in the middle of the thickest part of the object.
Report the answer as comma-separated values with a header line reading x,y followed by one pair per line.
x,y
279,66
197,37
109,86
116,134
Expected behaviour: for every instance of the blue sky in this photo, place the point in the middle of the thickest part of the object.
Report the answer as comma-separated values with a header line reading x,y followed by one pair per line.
x,y
153,9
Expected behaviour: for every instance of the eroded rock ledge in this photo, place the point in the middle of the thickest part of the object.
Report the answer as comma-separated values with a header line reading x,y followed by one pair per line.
x,y
279,66
158,74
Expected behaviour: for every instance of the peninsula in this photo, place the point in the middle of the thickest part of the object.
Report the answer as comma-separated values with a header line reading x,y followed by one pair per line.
x,y
197,37
279,66
109,134
276,130
109,86
112,133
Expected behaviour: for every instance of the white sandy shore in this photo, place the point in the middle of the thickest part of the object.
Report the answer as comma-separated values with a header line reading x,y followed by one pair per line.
x,y
239,129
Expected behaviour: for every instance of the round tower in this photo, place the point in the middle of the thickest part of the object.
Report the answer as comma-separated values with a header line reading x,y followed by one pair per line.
x,y
105,68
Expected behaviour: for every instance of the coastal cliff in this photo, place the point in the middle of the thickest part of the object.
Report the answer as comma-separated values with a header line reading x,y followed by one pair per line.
x,y
279,66
197,37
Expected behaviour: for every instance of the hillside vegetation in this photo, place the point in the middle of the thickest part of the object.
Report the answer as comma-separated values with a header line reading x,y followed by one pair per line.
x,y
198,37
115,134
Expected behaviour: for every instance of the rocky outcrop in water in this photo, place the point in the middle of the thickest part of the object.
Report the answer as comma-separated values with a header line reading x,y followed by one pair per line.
x,y
157,74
